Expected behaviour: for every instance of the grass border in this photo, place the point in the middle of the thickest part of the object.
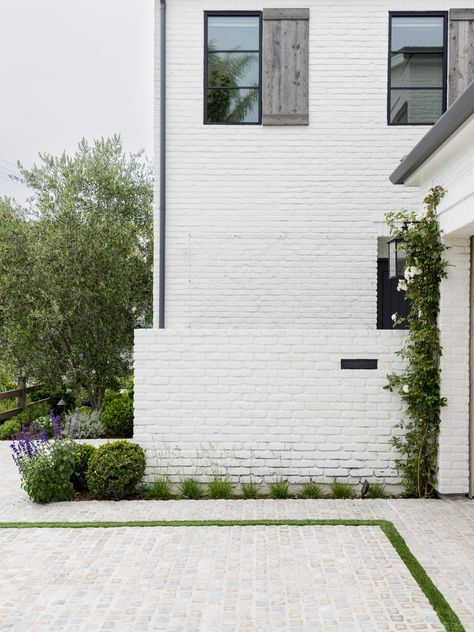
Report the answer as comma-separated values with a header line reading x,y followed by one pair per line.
x,y
446,614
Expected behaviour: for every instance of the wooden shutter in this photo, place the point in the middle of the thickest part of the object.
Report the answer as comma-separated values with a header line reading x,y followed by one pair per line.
x,y
285,67
461,52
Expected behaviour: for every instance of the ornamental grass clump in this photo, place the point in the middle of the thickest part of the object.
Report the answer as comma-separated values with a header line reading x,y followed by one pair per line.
x,y
249,490
160,489
279,489
45,466
312,490
219,488
419,385
376,490
190,488
341,490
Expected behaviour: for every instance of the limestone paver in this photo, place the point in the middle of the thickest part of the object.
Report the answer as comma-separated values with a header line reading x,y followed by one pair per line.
x,y
439,533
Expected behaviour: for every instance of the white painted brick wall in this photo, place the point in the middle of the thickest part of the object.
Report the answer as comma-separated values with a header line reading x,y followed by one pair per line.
x,y
272,227
454,325
266,402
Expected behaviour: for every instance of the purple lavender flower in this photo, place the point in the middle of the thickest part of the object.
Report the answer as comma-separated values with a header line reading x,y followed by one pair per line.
x,y
56,423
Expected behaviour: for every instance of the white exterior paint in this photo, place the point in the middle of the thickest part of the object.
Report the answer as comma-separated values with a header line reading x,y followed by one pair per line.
x,y
266,403
272,263
452,167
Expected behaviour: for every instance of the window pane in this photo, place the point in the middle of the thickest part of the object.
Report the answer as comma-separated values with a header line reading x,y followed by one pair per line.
x,y
417,32
415,106
417,70
233,69
233,33
232,106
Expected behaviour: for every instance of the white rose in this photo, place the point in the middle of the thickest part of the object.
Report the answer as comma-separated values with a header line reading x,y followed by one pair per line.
x,y
402,286
406,388
394,316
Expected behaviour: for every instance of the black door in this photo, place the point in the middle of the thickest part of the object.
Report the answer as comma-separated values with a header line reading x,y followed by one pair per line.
x,y
389,300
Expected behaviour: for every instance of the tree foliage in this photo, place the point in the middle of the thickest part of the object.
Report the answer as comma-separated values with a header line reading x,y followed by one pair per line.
x,y
419,384
226,71
76,266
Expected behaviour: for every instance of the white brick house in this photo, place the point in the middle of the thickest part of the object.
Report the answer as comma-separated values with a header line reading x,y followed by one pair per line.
x,y
267,266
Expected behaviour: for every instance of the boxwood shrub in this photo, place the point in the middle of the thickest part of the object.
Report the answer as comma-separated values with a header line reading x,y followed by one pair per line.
x,y
117,415
82,453
115,469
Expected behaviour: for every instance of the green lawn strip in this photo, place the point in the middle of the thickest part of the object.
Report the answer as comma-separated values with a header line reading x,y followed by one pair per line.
x,y
442,608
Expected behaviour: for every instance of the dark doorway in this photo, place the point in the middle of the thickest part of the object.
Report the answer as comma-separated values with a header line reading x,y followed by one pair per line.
x,y
389,300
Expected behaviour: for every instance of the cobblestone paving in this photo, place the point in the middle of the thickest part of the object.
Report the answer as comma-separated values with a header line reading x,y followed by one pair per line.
x,y
238,579
246,579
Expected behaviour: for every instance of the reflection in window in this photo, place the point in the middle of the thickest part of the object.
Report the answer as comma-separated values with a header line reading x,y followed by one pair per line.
x,y
417,85
232,77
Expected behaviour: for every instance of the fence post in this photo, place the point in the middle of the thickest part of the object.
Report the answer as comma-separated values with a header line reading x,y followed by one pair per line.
x,y
22,395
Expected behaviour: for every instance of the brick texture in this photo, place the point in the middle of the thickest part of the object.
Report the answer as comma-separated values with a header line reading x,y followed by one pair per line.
x,y
265,403
277,227
272,264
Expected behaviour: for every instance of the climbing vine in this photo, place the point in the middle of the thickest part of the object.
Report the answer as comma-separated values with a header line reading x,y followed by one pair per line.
x,y
419,383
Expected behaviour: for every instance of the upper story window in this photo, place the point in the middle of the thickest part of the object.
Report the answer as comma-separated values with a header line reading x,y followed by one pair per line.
x,y
417,68
232,74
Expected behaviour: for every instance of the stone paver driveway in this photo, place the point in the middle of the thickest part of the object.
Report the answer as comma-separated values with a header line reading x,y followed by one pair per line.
x,y
223,579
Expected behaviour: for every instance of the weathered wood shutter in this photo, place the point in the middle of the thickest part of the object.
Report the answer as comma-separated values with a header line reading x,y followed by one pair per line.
x,y
285,98
461,52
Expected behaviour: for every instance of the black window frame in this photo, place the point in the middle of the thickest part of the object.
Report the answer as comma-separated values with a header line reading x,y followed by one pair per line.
x,y
444,87
254,14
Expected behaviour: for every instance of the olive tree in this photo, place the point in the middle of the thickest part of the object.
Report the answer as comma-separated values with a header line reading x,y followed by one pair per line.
x,y
76,266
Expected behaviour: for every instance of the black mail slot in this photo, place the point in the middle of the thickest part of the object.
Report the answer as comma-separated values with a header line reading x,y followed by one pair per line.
x,y
359,364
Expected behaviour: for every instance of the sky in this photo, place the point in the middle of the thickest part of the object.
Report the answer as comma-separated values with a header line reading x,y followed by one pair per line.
x,y
71,69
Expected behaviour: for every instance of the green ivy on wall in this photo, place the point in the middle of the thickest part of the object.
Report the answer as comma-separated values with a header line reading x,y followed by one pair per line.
x,y
419,383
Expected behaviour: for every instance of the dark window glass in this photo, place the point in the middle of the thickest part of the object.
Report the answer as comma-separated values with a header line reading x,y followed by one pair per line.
x,y
417,75
232,73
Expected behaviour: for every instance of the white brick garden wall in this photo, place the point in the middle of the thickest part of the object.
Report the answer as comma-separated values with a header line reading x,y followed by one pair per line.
x,y
265,402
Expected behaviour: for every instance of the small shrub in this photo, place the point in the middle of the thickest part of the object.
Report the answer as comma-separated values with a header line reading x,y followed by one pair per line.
x,y
33,412
45,468
42,393
312,490
10,428
249,490
341,490
279,489
190,488
82,453
117,415
220,488
376,490
158,490
85,424
115,469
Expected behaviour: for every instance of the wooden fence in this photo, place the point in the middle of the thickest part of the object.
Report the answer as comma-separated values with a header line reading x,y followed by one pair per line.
x,y
20,393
